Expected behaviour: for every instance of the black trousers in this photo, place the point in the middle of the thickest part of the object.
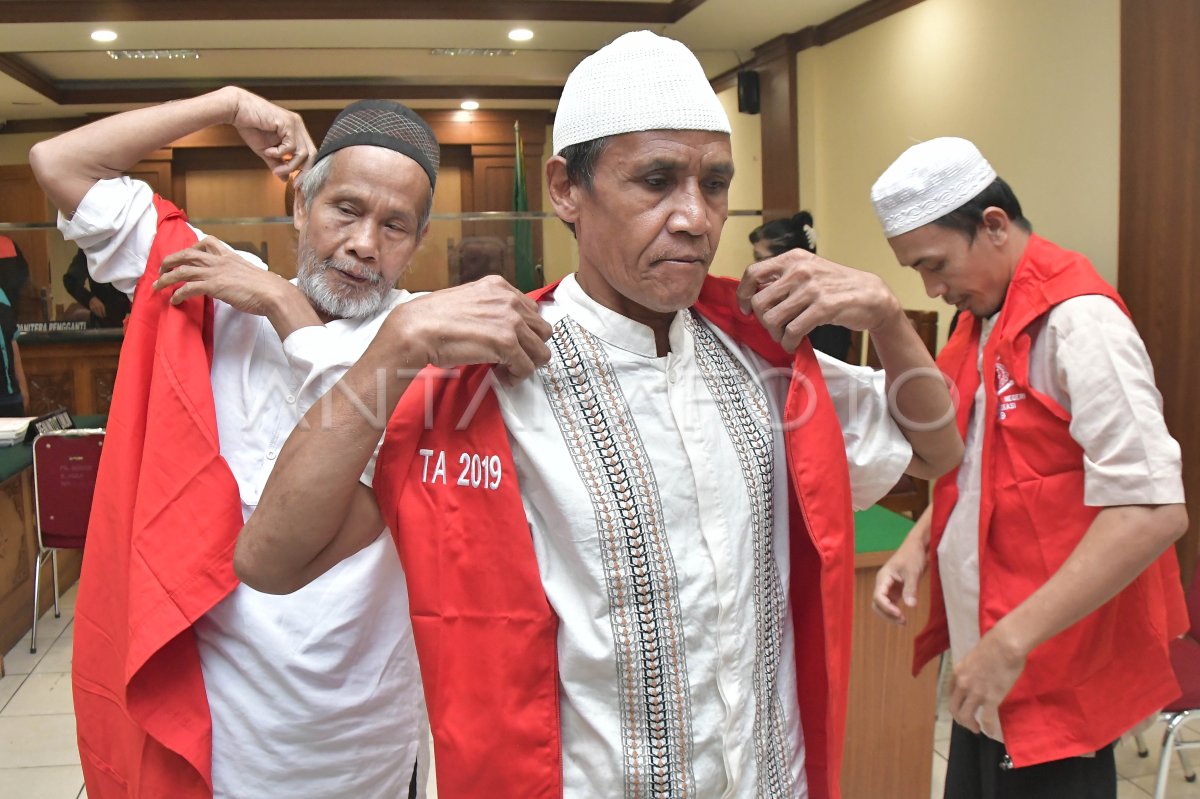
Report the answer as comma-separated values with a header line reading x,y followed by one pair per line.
x,y
974,773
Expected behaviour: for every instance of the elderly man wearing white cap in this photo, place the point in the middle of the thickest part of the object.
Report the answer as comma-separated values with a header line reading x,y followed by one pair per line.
x,y
1054,586
187,684
630,575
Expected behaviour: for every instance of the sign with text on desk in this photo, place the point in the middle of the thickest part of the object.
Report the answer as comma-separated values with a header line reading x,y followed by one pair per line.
x,y
23,429
50,327
55,420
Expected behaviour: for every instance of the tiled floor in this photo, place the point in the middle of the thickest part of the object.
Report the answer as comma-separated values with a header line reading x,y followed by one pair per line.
x,y
38,758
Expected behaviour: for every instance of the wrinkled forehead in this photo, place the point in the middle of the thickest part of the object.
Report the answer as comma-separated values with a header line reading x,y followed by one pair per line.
x,y
706,151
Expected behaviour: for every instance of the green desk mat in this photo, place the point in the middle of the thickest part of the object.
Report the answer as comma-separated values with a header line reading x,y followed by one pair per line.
x,y
878,529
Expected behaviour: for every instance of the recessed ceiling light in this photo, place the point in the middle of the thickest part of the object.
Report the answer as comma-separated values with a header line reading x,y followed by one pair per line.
x,y
104,36
520,34
468,105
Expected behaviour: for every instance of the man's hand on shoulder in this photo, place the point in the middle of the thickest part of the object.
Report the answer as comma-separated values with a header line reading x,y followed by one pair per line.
x,y
487,321
795,292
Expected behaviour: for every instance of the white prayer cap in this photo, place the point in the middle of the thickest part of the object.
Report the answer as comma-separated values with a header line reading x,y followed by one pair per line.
x,y
640,81
928,181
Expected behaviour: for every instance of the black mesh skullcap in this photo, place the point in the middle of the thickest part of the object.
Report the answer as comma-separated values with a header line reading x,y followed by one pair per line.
x,y
384,123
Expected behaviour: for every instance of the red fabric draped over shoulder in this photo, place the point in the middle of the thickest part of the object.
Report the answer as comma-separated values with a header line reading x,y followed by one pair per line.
x,y
159,553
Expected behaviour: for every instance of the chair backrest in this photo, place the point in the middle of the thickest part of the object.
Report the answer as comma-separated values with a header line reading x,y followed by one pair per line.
x,y
924,322
1193,605
64,479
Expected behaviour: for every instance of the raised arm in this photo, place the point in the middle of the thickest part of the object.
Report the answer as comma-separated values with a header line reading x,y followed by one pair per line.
x,y
68,165
794,292
314,511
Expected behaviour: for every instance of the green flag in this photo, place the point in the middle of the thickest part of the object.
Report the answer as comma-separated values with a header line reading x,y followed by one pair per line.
x,y
522,228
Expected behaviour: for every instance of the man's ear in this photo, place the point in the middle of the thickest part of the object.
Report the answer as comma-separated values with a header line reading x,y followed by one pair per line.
x,y
564,195
995,224
299,212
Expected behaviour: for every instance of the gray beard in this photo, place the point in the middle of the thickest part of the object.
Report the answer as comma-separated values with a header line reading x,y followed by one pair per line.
x,y
339,300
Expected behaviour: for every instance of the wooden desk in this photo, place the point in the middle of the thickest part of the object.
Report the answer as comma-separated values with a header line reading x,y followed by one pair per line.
x,y
72,370
889,729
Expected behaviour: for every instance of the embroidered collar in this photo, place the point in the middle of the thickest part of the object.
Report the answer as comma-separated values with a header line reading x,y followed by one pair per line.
x,y
610,326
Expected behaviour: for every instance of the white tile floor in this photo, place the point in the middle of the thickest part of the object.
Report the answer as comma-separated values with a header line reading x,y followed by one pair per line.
x,y
38,758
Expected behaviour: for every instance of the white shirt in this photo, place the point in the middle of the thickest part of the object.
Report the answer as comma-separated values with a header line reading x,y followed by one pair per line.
x,y
656,493
1088,357
317,693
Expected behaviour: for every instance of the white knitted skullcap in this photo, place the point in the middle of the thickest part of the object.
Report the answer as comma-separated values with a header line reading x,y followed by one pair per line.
x,y
928,181
641,81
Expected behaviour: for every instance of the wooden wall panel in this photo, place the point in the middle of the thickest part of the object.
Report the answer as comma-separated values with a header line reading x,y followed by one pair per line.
x,y
22,200
780,159
1159,251
69,373
216,193
889,724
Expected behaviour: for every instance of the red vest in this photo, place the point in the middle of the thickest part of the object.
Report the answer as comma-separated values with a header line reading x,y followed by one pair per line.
x,y
159,552
1091,683
486,635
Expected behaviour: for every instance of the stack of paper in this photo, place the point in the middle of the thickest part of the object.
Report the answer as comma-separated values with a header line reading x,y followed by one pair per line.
x,y
12,429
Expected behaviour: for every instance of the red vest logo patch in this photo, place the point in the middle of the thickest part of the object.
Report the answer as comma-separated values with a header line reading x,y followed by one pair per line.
x,y
1004,382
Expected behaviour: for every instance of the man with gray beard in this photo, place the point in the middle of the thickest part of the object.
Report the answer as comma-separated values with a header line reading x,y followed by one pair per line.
x,y
316,693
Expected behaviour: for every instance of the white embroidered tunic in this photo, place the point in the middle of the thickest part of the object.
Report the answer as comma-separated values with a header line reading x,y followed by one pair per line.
x,y
655,488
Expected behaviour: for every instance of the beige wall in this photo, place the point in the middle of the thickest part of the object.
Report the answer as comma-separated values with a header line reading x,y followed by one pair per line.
x,y
560,254
734,252
14,147
1035,84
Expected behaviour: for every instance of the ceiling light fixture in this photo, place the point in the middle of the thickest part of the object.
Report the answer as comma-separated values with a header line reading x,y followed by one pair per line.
x,y
104,36
520,34
468,105
152,55
471,51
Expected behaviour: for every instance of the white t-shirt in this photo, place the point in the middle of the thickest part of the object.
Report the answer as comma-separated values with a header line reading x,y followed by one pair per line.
x,y
656,492
1088,357
316,693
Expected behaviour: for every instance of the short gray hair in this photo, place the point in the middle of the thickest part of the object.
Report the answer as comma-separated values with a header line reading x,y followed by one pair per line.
x,y
310,182
581,164
581,160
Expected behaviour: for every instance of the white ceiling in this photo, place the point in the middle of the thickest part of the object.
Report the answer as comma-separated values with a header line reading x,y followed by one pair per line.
x,y
292,53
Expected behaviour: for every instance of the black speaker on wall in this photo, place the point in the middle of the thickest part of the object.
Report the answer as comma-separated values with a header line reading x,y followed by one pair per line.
x,y
747,91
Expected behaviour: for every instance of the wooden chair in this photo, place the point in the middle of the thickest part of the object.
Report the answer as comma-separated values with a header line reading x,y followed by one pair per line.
x,y
910,495
476,256
64,479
